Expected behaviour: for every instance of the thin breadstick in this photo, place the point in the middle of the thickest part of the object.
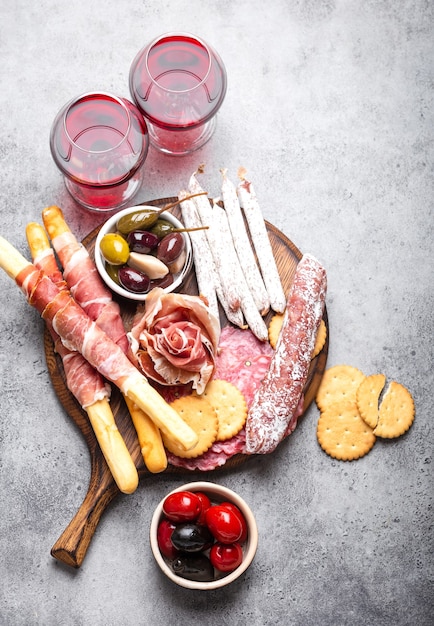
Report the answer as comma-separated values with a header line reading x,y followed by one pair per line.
x,y
243,245
100,415
248,305
232,302
261,242
113,446
150,441
206,274
76,329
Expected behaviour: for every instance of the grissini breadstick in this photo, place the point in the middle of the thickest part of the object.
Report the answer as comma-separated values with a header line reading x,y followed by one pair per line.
x,y
243,246
79,332
261,242
150,440
96,300
84,382
231,300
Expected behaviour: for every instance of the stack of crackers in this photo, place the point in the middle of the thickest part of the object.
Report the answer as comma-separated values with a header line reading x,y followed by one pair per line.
x,y
352,414
216,415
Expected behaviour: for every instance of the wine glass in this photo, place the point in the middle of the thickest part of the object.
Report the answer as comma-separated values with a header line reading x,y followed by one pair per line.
x,y
179,83
100,142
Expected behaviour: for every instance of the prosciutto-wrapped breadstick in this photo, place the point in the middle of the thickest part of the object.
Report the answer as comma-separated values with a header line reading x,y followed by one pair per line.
x,y
230,299
261,242
277,398
79,332
96,300
82,277
243,246
84,382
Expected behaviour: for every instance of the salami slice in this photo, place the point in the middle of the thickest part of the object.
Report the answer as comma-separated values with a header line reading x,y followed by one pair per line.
x,y
277,399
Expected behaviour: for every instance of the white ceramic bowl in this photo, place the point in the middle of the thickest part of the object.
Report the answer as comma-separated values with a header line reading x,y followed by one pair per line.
x,y
216,494
110,227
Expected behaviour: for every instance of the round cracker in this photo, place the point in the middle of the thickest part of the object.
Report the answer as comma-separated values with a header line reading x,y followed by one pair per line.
x,y
367,397
342,433
275,327
339,383
230,406
198,413
396,413
320,339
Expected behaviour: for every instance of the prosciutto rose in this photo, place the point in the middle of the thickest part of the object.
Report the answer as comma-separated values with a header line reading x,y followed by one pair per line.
x,y
174,340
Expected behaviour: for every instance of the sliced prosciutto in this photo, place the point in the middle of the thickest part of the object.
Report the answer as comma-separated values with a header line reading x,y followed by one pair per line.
x,y
174,340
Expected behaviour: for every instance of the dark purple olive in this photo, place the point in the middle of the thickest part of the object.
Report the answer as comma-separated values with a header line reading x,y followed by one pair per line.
x,y
170,247
133,280
190,537
162,282
197,568
142,241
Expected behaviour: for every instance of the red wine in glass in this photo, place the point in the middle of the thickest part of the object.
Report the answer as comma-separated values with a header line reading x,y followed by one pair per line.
x,y
178,82
100,142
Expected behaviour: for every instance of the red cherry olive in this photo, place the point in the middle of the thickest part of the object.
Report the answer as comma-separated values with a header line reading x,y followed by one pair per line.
x,y
182,506
164,537
226,557
236,510
224,524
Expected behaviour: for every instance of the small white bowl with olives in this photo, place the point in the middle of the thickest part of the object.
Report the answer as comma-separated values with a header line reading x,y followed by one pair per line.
x,y
140,248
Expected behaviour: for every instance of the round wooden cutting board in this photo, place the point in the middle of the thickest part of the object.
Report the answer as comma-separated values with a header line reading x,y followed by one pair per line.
x,y
72,545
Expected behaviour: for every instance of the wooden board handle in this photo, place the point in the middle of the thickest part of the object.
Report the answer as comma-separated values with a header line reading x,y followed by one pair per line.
x,y
72,545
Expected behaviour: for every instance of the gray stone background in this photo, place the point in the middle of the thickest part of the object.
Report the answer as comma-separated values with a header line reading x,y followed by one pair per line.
x,y
330,109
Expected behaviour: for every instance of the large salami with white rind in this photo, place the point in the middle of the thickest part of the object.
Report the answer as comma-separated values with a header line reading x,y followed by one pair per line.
x,y
278,396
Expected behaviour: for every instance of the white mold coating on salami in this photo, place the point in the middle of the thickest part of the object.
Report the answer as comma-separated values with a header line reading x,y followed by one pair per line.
x,y
277,398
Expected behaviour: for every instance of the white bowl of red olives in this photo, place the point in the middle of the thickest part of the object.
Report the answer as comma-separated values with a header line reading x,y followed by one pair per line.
x,y
203,536
140,248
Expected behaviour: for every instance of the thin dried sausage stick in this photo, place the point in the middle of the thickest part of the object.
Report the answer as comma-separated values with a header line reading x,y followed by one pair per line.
x,y
261,243
232,301
243,246
79,332
206,274
278,396
248,305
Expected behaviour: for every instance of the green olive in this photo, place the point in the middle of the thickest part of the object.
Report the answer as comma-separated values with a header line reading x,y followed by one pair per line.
x,y
162,228
114,249
139,220
112,271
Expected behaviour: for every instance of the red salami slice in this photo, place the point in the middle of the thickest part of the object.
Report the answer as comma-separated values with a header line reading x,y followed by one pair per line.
x,y
242,360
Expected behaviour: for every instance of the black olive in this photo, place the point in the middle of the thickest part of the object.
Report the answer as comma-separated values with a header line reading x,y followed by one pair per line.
x,y
197,568
190,537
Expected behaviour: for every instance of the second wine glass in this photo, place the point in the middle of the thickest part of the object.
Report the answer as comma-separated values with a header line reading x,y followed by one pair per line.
x,y
179,83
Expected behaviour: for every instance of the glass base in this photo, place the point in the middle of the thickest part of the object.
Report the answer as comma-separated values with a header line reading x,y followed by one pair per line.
x,y
105,198
180,142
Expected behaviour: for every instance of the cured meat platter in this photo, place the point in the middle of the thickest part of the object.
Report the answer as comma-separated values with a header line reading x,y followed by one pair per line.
x,y
72,545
